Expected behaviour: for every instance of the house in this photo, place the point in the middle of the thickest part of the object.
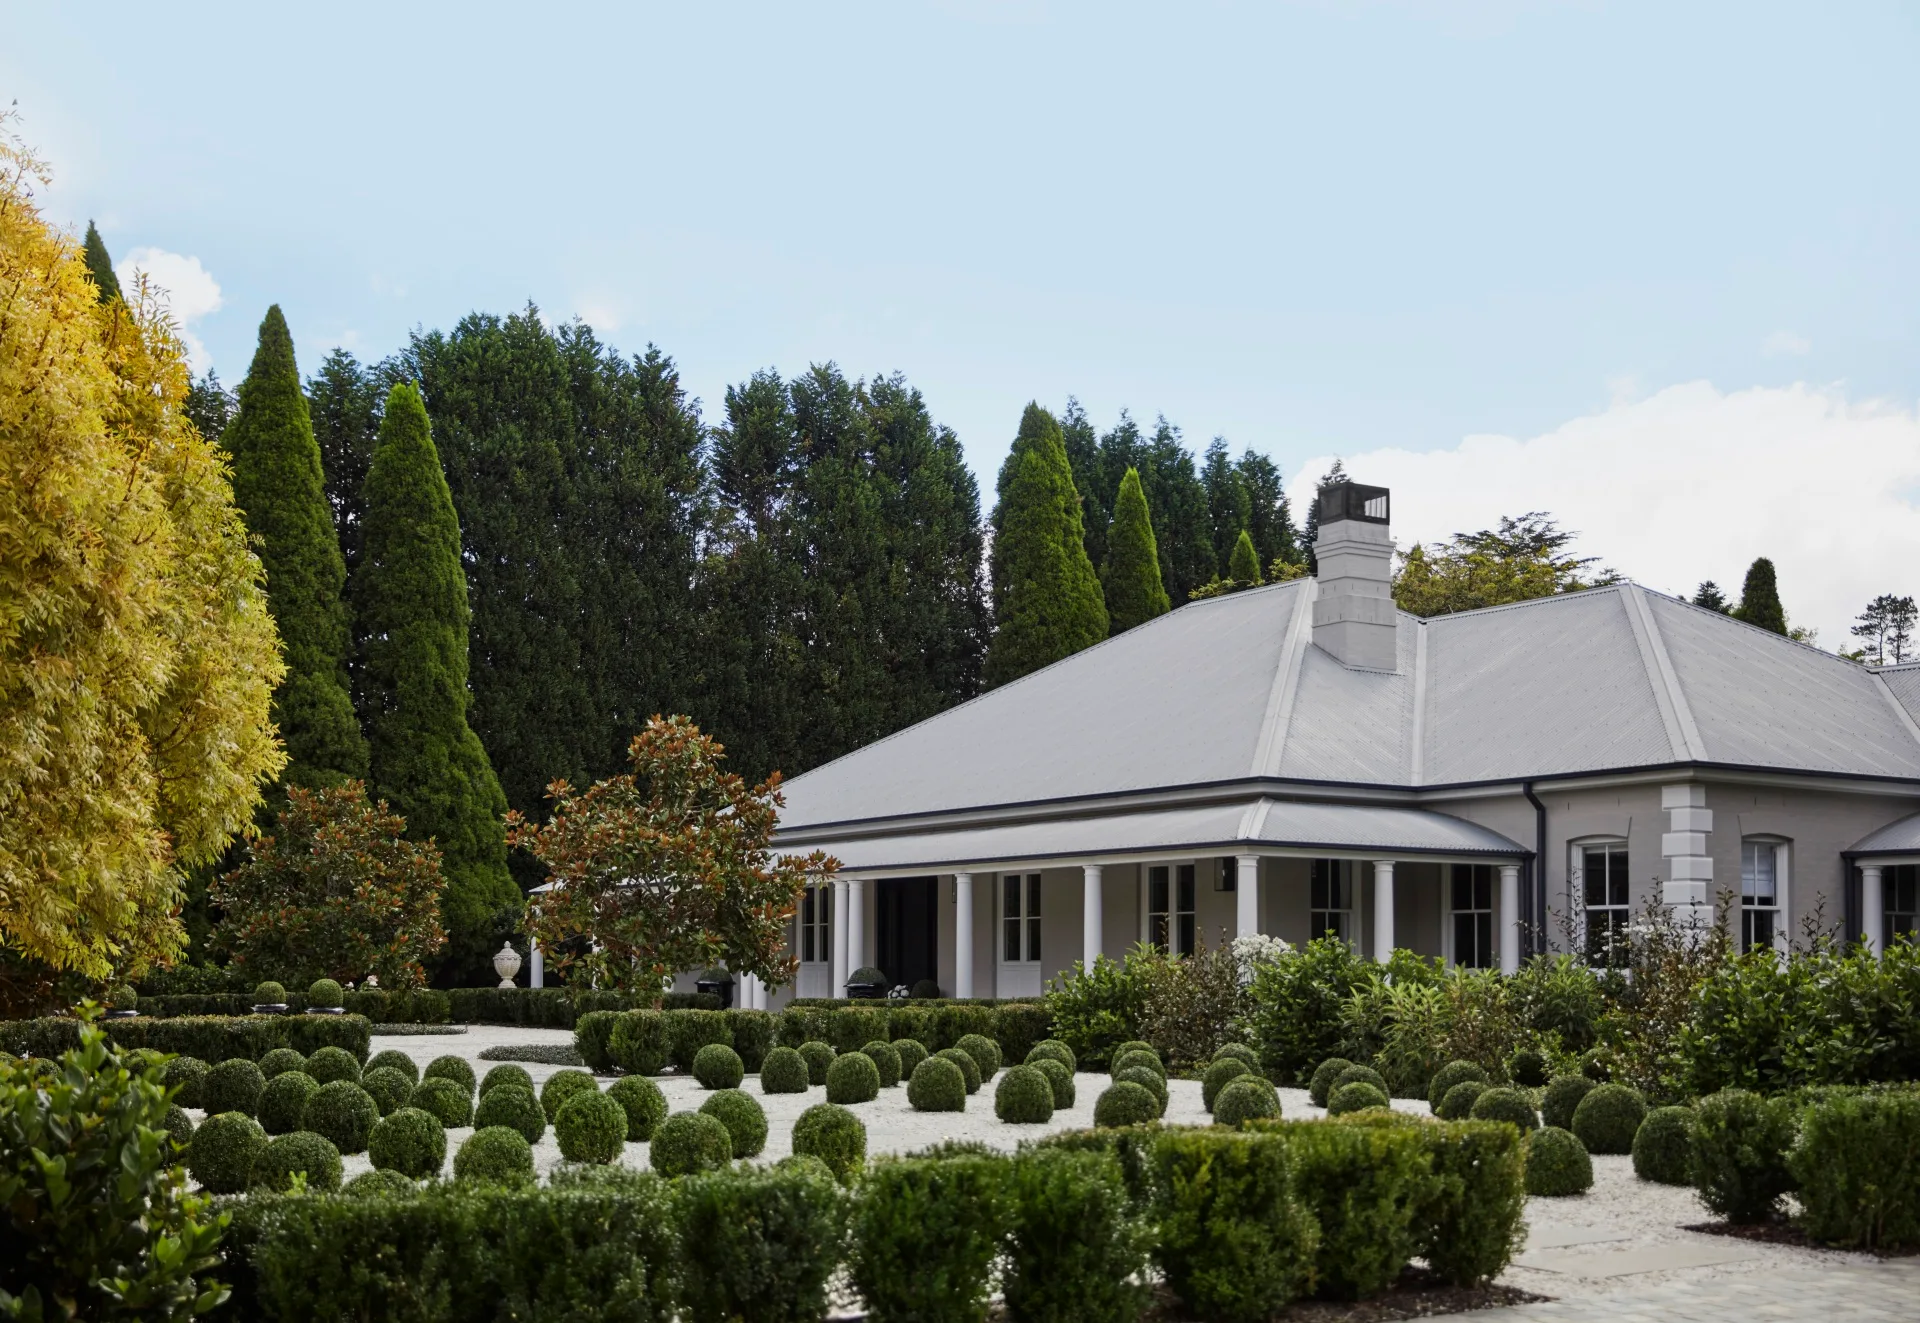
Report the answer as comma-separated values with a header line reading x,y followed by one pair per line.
x,y
1305,758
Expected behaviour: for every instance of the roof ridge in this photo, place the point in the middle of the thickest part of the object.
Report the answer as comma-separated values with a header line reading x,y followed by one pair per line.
x,y
1682,733
1285,691
1893,700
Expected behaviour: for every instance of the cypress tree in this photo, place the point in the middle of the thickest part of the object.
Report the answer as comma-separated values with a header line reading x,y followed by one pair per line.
x,y
1047,597
278,486
1229,500
1135,593
410,595
1243,567
1760,598
99,265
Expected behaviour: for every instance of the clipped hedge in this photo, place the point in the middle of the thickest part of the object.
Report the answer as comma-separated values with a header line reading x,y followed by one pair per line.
x,y
1235,1243
760,1243
212,1039
494,1155
645,1105
636,1043
745,1120
1663,1147
690,1031
303,1152
1363,1184
1740,1146
835,1136
1557,1163
924,1235
562,1007
689,1142
1857,1168
513,1107
1075,1244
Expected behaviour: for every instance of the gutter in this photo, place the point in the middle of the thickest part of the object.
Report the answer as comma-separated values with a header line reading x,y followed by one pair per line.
x,y
1537,939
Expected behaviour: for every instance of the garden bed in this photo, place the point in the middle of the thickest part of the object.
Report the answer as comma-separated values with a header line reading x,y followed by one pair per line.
x,y
1784,1232
1418,1294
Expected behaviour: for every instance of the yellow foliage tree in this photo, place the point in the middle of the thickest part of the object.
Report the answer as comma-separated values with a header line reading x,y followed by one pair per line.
x,y
137,657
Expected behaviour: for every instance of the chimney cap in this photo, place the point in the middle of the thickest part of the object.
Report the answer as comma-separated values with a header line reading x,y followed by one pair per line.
x,y
1352,500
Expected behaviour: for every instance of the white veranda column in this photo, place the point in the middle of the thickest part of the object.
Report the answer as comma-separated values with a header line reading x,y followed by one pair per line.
x,y
1873,907
538,977
837,975
856,925
963,934
1092,913
1246,895
1382,910
1688,891
1509,918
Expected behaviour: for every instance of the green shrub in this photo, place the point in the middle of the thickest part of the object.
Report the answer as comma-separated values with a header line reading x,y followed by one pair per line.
x,y
886,1059
281,1060
333,1063
591,1127
1238,1052
784,1071
1055,1050
387,1087
380,1184
1527,1067
284,1102
179,1126
819,1058
1243,1099
1136,1059
506,1073
445,1099
515,1108
1608,1117
232,1086
912,1053
1557,1163
1235,1245
450,1067
1059,1079
1475,1217
643,1103
834,1135
1124,1103
224,1147
1134,1045
718,1066
760,1243
969,1067
1218,1075
1092,1010
937,1085
593,1039
1663,1147
211,1038
184,1078
1740,1146
745,1120
494,1155
1148,1080
392,1058
343,1112
853,1078
1509,1105
1458,1104
849,1026
1320,1088
985,1053
1454,1072
637,1042
1359,1075
324,992
269,994
1023,1097
562,1085
1297,1004
925,1232
1075,1244
300,1151
1562,1097
1356,1097
690,1142
1017,1026
1857,1166
752,1037
689,1031
1363,1184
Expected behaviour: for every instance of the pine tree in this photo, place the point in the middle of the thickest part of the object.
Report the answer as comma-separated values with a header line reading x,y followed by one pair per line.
x,y
410,595
278,486
1243,567
1760,598
209,406
1088,465
1709,596
344,401
1311,533
1134,592
1271,521
1229,502
100,266
1047,597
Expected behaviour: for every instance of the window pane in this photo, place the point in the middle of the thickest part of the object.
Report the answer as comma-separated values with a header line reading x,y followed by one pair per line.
x,y
1157,892
1033,939
1186,934
1617,876
1011,945
1010,896
1463,940
1462,887
1157,929
1483,886
1186,892
1317,890
1593,869
1033,894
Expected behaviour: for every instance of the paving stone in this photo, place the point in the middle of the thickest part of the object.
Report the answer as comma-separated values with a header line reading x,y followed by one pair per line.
x,y
1633,1259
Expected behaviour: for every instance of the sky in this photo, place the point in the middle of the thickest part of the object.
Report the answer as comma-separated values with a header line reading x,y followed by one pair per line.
x,y
1652,268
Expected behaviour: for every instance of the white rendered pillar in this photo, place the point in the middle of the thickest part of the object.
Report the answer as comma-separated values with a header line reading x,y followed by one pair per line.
x,y
856,925
1688,890
1382,910
1092,914
840,971
1873,907
1509,918
1246,895
963,934
538,978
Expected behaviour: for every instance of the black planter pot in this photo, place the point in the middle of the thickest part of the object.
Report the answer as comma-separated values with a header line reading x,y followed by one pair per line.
x,y
121,1015
721,988
326,1010
867,991
270,1008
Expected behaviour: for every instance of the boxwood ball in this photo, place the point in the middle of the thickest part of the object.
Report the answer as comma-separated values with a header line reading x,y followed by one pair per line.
x,y
1150,1081
562,1085
689,1142
886,1059
912,1052
1557,1164
516,1109
301,1151
784,1071
450,1067
1354,1097
1509,1105
1360,1075
343,1112
937,1085
281,1060
1238,1052
1563,1094
1138,1060
410,1141
495,1155
232,1086
1133,1045
328,1064
644,1104
743,1117
1320,1088
506,1073
1124,1103
591,1127
853,1078
969,1068
1052,1049
984,1051
1217,1077
1608,1117
834,1135
1458,1104
269,993
1527,1067
179,1126
324,992
718,1066
184,1076
378,1184
1023,1097
1663,1146
445,1099
391,1058
1243,1099
223,1149
284,1102
1454,1072
818,1057
387,1087
1059,1078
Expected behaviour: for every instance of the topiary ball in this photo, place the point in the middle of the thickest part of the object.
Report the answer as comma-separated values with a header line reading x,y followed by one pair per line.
x,y
325,993
506,1073
1243,1099
834,1135
333,1063
300,1151
513,1107
924,989
644,1104
379,1185
1596,1063
912,1052
818,1056
745,1120
445,1099
1509,1105
1023,1097
393,1059
1059,1079
1138,1060
1454,1072
387,1087
886,1059
232,1086
122,997
1360,1075
984,1051
1354,1097
1321,1087
1563,1095
343,1112
1608,1117
184,1077
853,1078
1217,1077
1458,1104
411,1142
284,1102
1052,1049
1124,1103
450,1067
179,1127
1557,1164
718,1066
591,1127
969,1068
1527,1067
495,1155
784,1071
1237,1052
269,994
224,1147
279,1061
1663,1147
689,1142
562,1085
1148,1080
937,1085
1133,1045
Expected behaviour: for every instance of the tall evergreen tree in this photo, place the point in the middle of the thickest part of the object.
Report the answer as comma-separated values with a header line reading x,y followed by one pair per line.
x,y
100,266
410,595
278,486
1134,592
209,406
1270,513
1089,478
1760,598
1229,502
1708,595
1311,533
344,399
1243,563
1047,597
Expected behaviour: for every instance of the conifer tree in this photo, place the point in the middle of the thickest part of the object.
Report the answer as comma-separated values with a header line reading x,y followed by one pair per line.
x,y
1760,598
1135,593
1047,597
1243,567
278,486
410,597
99,265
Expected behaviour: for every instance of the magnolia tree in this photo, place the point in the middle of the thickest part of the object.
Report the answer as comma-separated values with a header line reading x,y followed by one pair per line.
x,y
337,892
666,868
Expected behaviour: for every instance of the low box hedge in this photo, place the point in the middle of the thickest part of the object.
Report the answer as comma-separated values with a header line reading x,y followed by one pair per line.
x,y
1014,1026
212,1039
1363,1184
924,1237
1235,1242
759,1243
562,1007
1857,1165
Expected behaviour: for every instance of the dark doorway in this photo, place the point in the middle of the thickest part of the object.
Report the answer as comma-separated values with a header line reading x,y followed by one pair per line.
x,y
909,936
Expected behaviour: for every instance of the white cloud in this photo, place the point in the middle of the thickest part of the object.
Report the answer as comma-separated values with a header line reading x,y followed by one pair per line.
x,y
1693,484
185,286
1783,344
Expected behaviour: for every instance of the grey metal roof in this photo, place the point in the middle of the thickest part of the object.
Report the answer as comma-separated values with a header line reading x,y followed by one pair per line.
x,y
1902,837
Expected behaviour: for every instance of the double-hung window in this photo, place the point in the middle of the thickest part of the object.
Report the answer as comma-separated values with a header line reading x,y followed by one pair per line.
x,y
816,924
1471,896
1170,889
1760,927
1019,917
1900,894
1603,894
1330,899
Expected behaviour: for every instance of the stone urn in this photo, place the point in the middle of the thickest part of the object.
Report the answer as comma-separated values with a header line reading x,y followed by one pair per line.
x,y
506,963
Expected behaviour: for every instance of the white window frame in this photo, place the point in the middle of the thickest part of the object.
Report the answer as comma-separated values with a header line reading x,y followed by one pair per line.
x,y
1450,932
1182,923
1341,873
818,897
1889,894
1028,919
1780,850
1577,886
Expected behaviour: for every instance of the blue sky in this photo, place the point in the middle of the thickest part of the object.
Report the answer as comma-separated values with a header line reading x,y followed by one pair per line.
x,y
1358,229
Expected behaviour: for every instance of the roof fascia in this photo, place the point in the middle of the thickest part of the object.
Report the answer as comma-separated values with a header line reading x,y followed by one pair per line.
x,y
1182,854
